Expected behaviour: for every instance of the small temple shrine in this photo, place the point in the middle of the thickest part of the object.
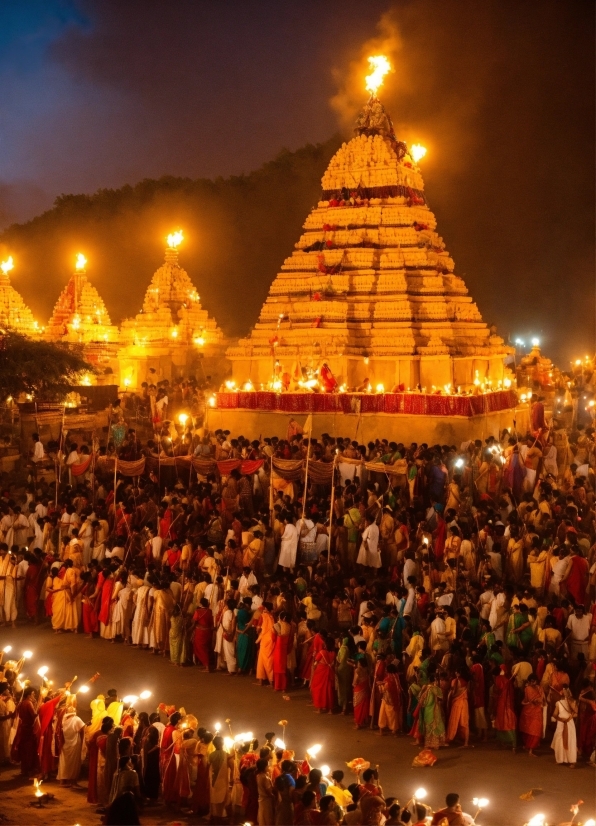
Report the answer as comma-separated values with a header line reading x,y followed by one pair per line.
x,y
173,335
81,317
369,302
14,313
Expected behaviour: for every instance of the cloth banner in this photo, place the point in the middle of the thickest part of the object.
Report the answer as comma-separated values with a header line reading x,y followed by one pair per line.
x,y
411,404
83,467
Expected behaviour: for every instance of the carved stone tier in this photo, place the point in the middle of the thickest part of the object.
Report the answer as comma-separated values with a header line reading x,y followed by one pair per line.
x,y
80,315
370,289
14,313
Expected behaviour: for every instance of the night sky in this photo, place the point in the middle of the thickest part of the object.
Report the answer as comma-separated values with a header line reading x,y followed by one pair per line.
x,y
99,93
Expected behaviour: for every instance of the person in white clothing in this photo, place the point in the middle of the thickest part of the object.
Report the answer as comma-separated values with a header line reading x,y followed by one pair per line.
x,y
564,743
69,764
578,626
289,544
369,554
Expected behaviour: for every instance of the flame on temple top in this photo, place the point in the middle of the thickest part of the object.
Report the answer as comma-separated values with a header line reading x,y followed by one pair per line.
x,y
417,151
7,266
81,261
175,239
380,66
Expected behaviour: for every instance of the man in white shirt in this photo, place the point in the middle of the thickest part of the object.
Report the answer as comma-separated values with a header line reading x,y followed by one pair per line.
x,y
38,454
289,545
578,625
369,554
246,581
410,568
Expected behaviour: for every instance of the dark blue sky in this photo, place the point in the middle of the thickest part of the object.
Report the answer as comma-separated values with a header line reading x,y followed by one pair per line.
x,y
98,93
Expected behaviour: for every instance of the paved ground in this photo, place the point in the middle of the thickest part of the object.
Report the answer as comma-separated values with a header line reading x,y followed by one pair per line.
x,y
484,771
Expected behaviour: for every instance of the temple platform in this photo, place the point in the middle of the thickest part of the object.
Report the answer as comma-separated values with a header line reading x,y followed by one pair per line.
x,y
400,417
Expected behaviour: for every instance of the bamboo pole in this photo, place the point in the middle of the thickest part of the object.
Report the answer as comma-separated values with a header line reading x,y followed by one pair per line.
x,y
331,511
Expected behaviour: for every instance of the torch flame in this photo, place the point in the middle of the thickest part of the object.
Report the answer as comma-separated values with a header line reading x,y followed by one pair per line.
x,y
7,266
175,239
380,66
81,261
417,151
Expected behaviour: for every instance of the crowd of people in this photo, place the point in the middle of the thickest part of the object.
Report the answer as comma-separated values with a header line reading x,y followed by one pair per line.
x,y
448,598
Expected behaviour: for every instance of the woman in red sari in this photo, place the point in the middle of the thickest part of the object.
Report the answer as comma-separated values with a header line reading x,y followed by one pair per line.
x,y
203,636
201,796
307,653
167,744
89,595
32,585
586,737
46,735
97,743
361,692
505,721
282,630
105,598
26,743
531,716
322,686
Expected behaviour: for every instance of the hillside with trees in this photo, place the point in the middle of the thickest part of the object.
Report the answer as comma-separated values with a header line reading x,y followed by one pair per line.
x,y
238,231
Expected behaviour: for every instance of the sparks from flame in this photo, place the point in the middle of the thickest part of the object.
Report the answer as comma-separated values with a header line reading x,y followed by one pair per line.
x,y
380,66
7,266
175,239
81,261
417,151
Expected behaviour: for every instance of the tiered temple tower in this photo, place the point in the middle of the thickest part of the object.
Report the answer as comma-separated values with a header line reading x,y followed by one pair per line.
x,y
370,290
14,313
172,333
80,315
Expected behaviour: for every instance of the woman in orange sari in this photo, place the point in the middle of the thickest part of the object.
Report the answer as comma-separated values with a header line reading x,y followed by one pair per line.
x,y
322,686
459,711
531,716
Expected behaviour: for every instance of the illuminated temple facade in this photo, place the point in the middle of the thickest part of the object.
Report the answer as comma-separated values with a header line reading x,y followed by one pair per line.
x,y
14,313
172,336
80,315
370,292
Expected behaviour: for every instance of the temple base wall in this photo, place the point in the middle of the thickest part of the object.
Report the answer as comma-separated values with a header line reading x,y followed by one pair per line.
x,y
408,371
367,427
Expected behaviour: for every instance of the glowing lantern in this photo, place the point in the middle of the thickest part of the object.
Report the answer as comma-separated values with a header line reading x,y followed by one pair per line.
x,y
417,152
81,262
144,695
380,66
380,388
183,418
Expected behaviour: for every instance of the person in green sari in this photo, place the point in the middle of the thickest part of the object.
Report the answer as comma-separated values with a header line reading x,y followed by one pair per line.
x,y
431,722
177,637
413,695
245,641
519,628
344,667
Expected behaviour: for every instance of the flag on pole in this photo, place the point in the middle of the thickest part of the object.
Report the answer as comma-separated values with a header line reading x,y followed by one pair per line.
x,y
307,429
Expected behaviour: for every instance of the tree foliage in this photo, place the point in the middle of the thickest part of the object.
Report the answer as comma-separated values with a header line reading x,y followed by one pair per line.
x,y
40,368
